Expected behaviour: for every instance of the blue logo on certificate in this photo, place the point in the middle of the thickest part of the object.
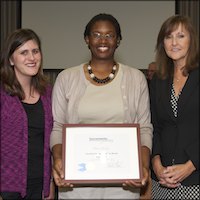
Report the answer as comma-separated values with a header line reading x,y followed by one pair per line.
x,y
82,167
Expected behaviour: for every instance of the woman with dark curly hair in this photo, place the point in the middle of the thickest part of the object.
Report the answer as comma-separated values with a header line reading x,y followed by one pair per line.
x,y
101,91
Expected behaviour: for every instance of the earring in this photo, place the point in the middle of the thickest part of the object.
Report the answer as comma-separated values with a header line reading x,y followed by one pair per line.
x,y
88,46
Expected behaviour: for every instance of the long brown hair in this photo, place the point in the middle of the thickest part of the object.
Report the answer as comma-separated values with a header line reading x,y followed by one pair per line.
x,y
8,78
164,63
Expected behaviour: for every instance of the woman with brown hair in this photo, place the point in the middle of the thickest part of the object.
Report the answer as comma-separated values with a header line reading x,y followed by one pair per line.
x,y
26,120
174,97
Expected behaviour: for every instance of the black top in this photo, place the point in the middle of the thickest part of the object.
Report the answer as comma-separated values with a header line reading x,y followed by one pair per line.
x,y
176,138
35,114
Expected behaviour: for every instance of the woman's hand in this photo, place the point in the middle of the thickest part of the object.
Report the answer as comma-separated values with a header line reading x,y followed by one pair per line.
x,y
138,184
57,169
145,170
57,172
160,170
173,175
158,167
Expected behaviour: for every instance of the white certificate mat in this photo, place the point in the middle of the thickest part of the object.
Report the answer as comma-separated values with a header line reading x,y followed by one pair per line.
x,y
101,153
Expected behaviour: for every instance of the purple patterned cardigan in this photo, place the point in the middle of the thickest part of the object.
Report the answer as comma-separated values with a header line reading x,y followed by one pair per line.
x,y
14,143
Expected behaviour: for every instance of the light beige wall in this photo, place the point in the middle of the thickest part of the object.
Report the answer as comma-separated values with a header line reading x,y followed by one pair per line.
x,y
61,24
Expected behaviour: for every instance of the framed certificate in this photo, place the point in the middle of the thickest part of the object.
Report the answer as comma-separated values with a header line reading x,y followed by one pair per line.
x,y
101,153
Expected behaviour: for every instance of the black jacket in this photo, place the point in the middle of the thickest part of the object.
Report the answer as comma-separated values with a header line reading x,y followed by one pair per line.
x,y
176,138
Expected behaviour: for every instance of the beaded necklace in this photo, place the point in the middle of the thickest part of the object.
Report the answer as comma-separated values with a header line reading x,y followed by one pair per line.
x,y
105,80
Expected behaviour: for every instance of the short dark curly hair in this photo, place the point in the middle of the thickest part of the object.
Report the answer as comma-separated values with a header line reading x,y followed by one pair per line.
x,y
103,17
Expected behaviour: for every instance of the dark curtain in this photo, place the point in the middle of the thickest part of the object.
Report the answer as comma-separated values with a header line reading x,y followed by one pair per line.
x,y
10,17
189,8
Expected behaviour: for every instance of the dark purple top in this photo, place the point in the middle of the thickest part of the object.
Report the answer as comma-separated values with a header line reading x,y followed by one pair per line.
x,y
14,143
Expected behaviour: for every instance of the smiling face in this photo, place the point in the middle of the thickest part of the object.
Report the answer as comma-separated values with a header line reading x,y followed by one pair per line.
x,y
26,59
102,40
177,43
